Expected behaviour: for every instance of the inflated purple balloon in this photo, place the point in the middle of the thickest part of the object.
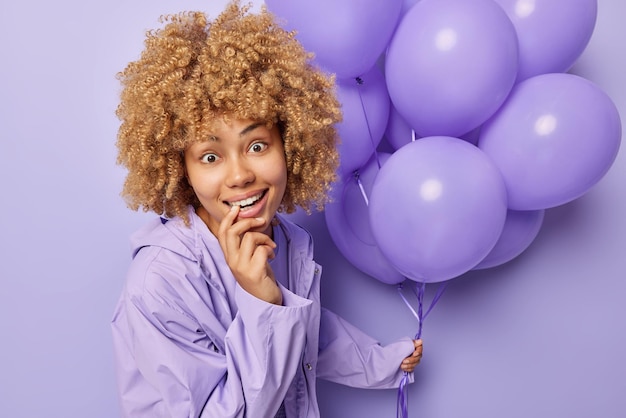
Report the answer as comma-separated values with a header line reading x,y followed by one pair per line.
x,y
554,138
347,219
365,105
552,34
346,36
520,230
437,208
451,64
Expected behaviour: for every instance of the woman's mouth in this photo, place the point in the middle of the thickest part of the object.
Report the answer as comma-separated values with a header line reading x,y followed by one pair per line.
x,y
248,202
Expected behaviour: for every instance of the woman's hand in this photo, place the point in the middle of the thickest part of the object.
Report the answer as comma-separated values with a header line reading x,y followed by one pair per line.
x,y
247,253
409,363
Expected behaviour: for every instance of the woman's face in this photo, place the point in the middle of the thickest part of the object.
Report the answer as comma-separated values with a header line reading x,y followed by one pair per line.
x,y
241,163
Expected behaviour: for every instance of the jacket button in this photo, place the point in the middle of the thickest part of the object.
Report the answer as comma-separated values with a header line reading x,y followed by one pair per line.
x,y
317,271
309,367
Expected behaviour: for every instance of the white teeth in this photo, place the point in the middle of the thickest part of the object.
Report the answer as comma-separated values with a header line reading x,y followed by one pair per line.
x,y
248,201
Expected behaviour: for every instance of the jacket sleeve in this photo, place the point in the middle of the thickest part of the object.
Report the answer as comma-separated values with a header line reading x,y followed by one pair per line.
x,y
191,377
349,356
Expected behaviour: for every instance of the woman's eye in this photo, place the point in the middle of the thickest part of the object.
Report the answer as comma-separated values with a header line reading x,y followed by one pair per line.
x,y
209,158
258,147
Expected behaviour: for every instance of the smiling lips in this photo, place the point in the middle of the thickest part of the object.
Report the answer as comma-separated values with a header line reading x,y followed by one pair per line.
x,y
245,203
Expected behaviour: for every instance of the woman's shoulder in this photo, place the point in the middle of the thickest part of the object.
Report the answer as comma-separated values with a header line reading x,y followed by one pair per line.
x,y
166,247
174,235
161,233
170,263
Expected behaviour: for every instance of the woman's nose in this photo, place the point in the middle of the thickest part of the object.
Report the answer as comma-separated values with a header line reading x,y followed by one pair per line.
x,y
239,173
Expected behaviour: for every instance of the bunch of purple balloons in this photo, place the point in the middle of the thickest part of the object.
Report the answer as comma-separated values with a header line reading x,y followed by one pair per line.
x,y
488,128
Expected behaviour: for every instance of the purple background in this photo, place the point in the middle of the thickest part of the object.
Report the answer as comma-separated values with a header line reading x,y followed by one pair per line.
x,y
541,336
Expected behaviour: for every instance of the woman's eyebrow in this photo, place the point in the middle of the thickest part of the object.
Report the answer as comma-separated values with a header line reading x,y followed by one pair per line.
x,y
250,128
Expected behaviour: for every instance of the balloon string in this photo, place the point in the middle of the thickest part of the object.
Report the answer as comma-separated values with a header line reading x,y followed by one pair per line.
x,y
359,82
358,181
440,289
415,314
402,406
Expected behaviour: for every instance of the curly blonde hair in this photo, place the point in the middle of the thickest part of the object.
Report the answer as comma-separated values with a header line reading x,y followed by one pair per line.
x,y
241,65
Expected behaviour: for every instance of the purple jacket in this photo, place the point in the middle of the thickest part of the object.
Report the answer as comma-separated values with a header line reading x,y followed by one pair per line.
x,y
190,342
